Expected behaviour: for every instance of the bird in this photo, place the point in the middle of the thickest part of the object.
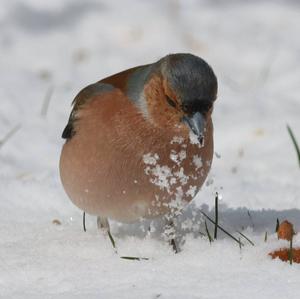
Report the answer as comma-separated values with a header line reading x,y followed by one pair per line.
x,y
139,143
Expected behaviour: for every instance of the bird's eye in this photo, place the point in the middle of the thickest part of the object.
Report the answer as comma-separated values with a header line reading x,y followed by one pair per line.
x,y
185,107
171,102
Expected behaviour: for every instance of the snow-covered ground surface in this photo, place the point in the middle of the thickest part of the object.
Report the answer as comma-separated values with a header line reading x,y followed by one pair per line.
x,y
59,47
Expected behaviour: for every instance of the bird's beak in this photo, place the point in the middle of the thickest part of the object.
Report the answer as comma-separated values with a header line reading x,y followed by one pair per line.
x,y
196,123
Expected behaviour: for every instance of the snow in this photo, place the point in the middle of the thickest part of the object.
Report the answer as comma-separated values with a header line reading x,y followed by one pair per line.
x,y
194,139
65,45
177,139
177,157
192,191
150,159
160,175
197,161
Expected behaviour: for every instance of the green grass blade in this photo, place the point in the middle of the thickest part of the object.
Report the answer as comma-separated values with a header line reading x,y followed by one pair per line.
x,y
251,219
294,142
246,238
277,225
207,232
134,258
216,215
291,251
10,134
222,229
111,240
266,236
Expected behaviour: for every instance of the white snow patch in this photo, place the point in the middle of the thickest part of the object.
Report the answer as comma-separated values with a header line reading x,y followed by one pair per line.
x,y
150,159
193,138
174,156
182,155
177,204
161,175
191,191
178,157
177,139
181,176
197,160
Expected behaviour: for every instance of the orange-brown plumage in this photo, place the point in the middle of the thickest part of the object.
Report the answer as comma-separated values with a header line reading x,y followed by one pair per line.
x,y
128,158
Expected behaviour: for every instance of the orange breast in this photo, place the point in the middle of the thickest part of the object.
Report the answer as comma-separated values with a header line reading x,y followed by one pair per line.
x,y
119,165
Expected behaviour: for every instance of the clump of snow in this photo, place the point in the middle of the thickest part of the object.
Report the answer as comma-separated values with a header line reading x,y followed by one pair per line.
x,y
157,201
197,160
182,155
178,157
174,156
150,159
160,176
181,176
191,191
177,139
194,139
177,204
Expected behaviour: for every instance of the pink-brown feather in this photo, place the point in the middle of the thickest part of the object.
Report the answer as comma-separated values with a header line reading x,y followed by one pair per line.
x,y
102,166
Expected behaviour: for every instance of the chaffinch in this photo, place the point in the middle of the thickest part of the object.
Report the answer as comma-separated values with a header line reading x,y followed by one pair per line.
x,y
140,143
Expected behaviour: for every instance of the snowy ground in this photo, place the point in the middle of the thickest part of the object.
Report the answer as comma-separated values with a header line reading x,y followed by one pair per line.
x,y
61,46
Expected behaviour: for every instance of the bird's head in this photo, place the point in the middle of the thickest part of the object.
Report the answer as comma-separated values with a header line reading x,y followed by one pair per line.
x,y
180,92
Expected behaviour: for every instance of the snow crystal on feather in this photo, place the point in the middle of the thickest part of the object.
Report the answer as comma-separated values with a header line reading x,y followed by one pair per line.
x,y
177,139
193,138
197,160
192,191
177,204
162,175
178,157
181,176
150,158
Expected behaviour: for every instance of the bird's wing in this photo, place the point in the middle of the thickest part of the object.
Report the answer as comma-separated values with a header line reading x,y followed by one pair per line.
x,y
109,84
83,97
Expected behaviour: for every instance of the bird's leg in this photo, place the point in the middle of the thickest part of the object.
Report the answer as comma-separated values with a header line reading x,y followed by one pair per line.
x,y
103,224
170,233
83,222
